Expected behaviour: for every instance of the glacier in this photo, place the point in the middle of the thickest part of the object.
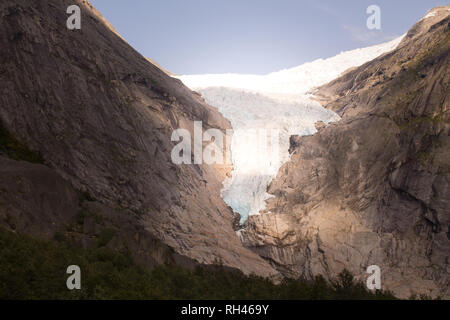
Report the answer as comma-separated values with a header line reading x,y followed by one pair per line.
x,y
264,111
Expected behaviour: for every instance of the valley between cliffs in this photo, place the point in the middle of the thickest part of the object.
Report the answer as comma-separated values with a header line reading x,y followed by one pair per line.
x,y
85,154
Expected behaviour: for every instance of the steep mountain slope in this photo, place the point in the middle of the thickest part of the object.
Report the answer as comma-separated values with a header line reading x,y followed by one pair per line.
x,y
374,187
101,118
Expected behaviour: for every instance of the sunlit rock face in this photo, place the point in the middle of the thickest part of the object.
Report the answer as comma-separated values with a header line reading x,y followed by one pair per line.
x,y
265,110
373,188
105,130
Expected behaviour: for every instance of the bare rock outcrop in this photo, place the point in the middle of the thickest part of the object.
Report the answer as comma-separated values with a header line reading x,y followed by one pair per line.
x,y
372,189
102,116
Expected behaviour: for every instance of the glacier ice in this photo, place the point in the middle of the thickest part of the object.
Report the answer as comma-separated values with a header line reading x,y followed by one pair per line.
x,y
264,111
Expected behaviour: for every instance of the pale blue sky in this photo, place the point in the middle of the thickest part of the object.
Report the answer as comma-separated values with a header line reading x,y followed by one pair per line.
x,y
253,36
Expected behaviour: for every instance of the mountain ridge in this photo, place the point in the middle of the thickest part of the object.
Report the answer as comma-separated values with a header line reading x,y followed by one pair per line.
x,y
373,188
101,116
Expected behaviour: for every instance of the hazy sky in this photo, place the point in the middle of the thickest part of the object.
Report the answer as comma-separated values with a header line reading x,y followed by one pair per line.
x,y
253,36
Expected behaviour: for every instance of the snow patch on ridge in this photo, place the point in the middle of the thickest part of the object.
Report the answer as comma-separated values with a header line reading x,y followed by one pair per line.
x,y
279,102
429,15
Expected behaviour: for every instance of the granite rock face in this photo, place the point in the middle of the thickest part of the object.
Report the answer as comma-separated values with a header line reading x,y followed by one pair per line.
x,y
101,115
372,189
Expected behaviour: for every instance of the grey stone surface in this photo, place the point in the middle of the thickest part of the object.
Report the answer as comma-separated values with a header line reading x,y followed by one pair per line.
x,y
374,187
102,117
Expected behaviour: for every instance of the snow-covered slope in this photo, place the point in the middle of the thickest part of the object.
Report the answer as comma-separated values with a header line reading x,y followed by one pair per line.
x,y
265,110
296,80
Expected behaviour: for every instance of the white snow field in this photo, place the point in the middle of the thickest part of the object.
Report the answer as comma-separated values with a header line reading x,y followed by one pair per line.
x,y
264,111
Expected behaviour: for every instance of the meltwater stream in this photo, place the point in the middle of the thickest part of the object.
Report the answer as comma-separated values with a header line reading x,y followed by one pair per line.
x,y
264,111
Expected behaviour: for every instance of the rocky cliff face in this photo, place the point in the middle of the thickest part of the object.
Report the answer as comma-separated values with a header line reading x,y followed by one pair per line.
x,y
98,117
101,117
374,187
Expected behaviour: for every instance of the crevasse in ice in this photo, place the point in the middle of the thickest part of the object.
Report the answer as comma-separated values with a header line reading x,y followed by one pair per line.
x,y
264,111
